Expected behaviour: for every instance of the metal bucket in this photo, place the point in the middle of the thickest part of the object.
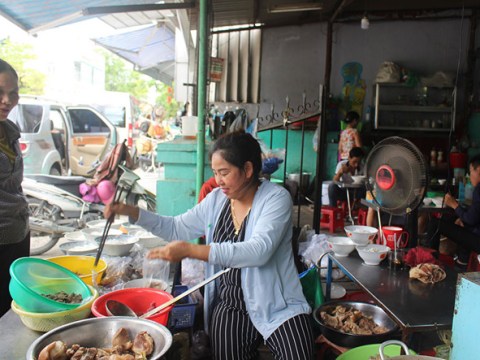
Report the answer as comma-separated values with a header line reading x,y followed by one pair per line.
x,y
305,177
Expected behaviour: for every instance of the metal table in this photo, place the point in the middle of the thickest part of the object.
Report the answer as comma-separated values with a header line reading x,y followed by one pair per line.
x,y
348,186
413,305
16,337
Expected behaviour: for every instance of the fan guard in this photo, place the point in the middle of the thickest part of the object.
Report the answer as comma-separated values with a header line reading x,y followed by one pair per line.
x,y
396,175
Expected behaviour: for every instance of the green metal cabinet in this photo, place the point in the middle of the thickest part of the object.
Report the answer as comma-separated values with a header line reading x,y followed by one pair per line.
x,y
176,193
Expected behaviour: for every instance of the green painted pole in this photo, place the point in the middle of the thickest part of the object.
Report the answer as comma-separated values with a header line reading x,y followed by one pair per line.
x,y
201,91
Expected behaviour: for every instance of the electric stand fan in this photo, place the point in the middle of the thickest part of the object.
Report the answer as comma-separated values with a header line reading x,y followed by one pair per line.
x,y
396,173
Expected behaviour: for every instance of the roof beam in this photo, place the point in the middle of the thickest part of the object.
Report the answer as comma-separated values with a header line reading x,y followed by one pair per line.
x,y
102,10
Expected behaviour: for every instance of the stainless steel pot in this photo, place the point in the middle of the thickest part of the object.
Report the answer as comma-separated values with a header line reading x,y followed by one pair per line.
x,y
350,340
305,177
405,349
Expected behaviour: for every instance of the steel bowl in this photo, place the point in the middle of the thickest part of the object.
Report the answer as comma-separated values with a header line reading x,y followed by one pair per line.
x,y
98,332
350,340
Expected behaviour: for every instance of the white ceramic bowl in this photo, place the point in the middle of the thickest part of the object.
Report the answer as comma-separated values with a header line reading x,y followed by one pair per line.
x,y
101,224
147,239
95,232
75,236
360,234
341,245
118,245
373,254
79,247
358,179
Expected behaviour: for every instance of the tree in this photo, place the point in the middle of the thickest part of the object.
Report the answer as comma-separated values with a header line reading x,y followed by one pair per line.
x,y
19,55
118,77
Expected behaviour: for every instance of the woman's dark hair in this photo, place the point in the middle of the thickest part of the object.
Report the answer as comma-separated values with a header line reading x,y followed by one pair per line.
x,y
351,116
237,148
5,66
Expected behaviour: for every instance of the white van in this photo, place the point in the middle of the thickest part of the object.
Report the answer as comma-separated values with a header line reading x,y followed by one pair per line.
x,y
122,110
58,139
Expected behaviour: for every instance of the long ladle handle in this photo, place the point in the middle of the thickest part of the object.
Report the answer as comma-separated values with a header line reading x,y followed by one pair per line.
x,y
184,294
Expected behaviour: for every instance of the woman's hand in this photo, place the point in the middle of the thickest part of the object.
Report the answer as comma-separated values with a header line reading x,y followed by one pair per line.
x,y
116,208
175,251
179,250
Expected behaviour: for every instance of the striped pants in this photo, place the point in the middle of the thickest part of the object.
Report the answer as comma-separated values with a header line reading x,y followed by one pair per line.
x,y
234,337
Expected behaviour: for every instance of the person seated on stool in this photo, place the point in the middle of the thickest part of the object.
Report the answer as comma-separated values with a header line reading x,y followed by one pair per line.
x,y
465,230
343,172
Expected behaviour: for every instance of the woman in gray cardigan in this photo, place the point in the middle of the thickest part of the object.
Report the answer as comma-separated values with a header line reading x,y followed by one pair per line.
x,y
14,230
247,224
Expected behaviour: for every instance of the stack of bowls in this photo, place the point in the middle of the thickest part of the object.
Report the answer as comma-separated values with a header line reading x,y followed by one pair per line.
x,y
36,285
44,322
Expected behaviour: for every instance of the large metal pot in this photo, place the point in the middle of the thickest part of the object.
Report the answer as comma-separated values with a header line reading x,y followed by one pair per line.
x,y
405,349
349,340
305,177
98,332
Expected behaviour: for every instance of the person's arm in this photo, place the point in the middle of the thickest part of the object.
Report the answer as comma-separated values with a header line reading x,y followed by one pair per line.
x,y
341,169
471,215
178,250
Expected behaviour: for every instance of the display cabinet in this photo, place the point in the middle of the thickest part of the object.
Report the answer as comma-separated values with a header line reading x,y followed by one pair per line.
x,y
420,108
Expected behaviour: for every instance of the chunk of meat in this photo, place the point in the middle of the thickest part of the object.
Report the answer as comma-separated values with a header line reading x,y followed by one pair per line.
x,y
121,339
85,354
56,350
143,344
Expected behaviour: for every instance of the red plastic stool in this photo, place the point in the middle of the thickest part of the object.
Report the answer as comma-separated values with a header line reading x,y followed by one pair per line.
x,y
332,218
473,264
362,216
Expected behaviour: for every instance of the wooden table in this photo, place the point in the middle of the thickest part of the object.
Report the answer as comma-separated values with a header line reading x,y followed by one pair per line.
x,y
413,305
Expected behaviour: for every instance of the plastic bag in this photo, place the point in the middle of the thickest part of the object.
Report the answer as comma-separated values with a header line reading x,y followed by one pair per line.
x,y
157,269
312,287
389,72
314,249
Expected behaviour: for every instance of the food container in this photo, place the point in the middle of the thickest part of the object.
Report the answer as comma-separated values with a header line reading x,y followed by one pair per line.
x,y
44,322
295,177
95,232
407,351
341,245
373,254
101,224
82,266
361,235
140,300
98,332
147,239
146,283
118,245
371,351
79,247
340,338
33,278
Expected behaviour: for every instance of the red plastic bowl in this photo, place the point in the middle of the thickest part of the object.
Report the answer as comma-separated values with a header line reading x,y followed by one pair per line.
x,y
139,300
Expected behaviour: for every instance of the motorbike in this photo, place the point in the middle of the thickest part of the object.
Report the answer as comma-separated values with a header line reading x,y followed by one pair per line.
x,y
56,205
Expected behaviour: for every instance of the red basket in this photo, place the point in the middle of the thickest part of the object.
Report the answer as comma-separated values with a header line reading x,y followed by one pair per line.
x,y
140,300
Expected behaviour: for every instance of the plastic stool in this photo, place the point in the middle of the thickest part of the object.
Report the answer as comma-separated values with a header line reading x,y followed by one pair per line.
x,y
331,218
362,216
473,264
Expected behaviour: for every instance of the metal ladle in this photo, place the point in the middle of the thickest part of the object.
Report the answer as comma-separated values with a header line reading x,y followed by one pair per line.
x,y
117,308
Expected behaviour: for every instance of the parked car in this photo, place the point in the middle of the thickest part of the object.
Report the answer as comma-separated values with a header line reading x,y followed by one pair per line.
x,y
57,138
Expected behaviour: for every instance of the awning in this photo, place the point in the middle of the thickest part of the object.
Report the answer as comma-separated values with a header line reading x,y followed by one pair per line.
x,y
151,50
37,15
